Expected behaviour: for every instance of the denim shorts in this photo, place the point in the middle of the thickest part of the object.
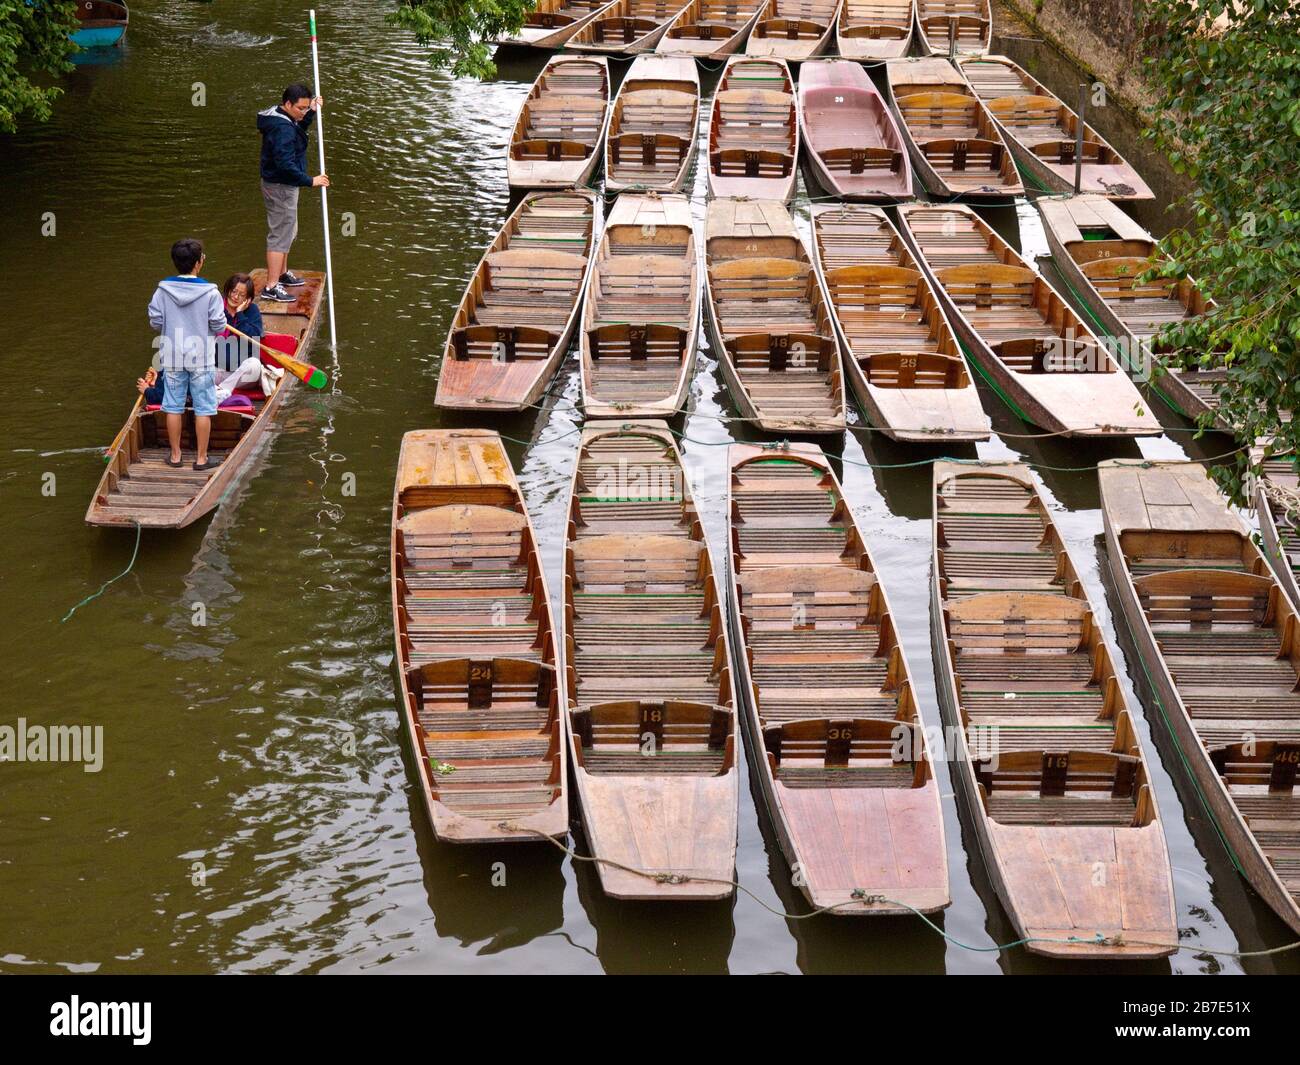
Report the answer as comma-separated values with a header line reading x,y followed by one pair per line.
x,y
201,386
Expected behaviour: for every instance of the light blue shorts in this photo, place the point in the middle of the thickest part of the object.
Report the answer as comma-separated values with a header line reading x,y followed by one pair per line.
x,y
201,386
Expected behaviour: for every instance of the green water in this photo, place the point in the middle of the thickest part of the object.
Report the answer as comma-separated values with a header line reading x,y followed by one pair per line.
x,y
254,810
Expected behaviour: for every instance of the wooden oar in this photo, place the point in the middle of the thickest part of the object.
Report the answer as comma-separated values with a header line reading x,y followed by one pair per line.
x,y
304,371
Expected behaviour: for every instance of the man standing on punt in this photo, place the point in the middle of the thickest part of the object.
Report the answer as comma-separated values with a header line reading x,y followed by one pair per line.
x,y
284,172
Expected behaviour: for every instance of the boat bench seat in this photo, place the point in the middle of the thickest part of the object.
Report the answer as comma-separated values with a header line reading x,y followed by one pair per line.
x,y
750,162
852,753
860,159
963,151
795,23
1199,600
1060,787
625,29
1265,764
647,152
472,695
672,737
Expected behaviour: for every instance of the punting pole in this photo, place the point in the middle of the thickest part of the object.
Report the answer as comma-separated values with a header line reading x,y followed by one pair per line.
x,y
1078,140
324,192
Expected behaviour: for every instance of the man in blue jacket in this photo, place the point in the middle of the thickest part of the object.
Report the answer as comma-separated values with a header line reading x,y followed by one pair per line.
x,y
284,172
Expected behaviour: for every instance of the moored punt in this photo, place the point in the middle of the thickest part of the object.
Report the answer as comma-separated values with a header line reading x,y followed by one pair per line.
x,y
853,147
1022,334
552,22
652,131
1277,506
641,317
940,22
561,126
1048,758
101,24
874,30
139,488
900,355
754,131
475,643
830,712
793,29
954,144
710,29
518,313
1218,639
1042,131
627,27
771,330
647,660
1101,252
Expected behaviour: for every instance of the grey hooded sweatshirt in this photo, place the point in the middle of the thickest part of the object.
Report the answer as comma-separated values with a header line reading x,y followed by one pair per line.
x,y
187,312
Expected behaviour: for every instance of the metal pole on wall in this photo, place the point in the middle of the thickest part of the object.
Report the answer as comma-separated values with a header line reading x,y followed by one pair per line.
x,y
1078,140
324,192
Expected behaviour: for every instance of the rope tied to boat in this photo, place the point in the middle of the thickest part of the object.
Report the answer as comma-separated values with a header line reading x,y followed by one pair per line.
x,y
135,552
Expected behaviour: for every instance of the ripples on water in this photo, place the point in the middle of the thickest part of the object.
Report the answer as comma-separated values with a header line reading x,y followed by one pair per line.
x,y
254,812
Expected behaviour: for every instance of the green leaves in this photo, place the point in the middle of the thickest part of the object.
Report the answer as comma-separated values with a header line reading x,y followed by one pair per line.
x,y
33,40
1228,116
460,32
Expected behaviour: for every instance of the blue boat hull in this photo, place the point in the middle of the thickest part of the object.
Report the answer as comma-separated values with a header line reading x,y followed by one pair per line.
x,y
99,36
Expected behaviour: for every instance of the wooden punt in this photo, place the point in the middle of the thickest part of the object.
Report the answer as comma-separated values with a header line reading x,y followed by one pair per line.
x,y
552,22
641,317
872,31
900,355
138,487
1100,252
939,22
557,139
100,24
853,147
711,29
652,131
1041,132
627,27
754,131
830,712
475,643
1217,637
1047,756
1033,349
514,323
770,326
647,660
1277,507
954,144
793,30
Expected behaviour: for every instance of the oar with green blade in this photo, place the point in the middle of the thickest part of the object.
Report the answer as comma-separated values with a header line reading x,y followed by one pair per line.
x,y
304,371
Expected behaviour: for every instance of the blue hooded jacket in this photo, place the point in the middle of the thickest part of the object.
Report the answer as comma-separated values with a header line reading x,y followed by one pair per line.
x,y
284,147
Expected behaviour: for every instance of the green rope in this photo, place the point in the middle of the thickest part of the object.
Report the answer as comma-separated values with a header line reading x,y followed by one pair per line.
x,y
103,586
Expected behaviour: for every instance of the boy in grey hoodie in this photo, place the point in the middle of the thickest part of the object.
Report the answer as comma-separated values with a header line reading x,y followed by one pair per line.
x,y
188,312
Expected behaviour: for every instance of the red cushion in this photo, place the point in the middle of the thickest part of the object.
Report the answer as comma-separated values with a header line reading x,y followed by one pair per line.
x,y
281,342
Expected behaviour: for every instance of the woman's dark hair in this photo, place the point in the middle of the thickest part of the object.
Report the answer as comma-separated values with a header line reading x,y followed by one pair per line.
x,y
237,279
295,92
186,254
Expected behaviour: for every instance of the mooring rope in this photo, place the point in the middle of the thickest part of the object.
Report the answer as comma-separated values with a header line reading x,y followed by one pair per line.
x,y
103,586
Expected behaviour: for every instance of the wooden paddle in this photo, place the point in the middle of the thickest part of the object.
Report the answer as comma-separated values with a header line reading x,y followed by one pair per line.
x,y
304,371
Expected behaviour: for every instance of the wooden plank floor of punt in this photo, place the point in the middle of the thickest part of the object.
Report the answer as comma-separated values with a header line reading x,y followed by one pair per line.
x,y
1021,332
754,131
138,487
794,29
771,328
872,31
1277,505
648,671
552,22
627,27
1041,132
641,317
560,131
652,133
831,718
1101,251
1219,639
955,146
852,145
519,310
901,357
938,21
1049,761
711,29
475,643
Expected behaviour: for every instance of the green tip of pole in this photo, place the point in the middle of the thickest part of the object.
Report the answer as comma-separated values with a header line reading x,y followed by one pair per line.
x,y
313,22
317,378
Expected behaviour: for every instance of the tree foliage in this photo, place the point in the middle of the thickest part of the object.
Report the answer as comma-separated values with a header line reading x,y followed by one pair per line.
x,y
461,32
1228,116
33,40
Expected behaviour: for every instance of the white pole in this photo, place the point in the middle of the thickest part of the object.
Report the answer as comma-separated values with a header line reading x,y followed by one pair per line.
x,y
324,192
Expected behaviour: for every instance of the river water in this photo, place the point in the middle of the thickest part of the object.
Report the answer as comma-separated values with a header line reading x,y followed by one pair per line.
x,y
254,810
